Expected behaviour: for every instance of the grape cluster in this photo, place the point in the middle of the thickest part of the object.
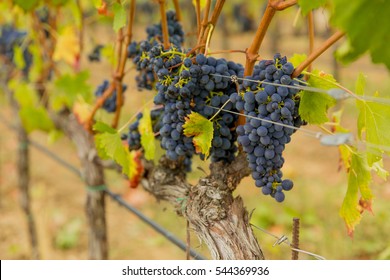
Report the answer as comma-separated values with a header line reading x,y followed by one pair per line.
x,y
133,137
175,96
272,114
188,84
95,54
136,50
175,30
110,103
9,38
211,91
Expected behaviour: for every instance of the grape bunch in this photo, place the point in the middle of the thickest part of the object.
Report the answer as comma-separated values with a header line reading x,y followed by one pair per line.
x,y
175,30
133,137
211,91
175,96
9,38
95,54
137,51
110,103
196,84
272,117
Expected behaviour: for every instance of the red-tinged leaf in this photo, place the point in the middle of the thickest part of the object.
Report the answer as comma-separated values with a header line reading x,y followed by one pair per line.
x,y
358,180
136,169
202,130
147,135
81,110
67,47
366,205
103,10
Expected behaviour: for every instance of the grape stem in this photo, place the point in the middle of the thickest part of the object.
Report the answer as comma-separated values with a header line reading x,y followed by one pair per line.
x,y
209,26
226,51
177,9
252,51
81,31
310,22
197,10
210,31
281,5
98,104
116,83
204,21
164,24
314,55
122,57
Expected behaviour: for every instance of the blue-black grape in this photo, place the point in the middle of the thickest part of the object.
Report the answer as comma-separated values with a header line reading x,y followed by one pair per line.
x,y
95,54
138,51
272,116
110,103
134,137
11,37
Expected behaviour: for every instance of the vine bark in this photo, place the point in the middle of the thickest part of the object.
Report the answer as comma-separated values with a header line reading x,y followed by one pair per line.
x,y
217,217
92,173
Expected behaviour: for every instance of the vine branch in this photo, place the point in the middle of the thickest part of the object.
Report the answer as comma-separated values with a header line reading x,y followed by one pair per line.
x,y
313,56
197,10
252,52
205,21
164,25
209,27
122,64
310,21
177,9
282,4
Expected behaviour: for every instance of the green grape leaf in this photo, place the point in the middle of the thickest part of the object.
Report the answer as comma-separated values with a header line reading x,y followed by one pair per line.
x,y
358,182
309,5
373,123
32,114
54,135
59,2
314,105
102,127
366,25
18,58
24,94
119,17
35,70
68,88
297,59
109,146
26,5
379,169
147,134
344,151
35,118
108,52
202,130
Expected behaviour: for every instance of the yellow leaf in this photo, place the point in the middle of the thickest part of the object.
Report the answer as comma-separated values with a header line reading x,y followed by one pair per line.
x,y
82,110
67,47
202,130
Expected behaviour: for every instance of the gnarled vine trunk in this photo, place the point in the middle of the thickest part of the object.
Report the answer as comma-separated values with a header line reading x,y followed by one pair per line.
x,y
92,173
218,218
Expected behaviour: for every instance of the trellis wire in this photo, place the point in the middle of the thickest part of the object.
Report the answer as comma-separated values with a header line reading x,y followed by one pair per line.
x,y
284,239
116,197
140,215
337,93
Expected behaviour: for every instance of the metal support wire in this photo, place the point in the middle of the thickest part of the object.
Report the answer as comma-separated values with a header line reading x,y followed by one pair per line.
x,y
154,225
172,238
58,159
